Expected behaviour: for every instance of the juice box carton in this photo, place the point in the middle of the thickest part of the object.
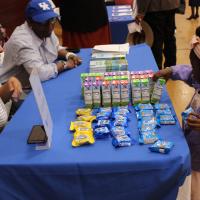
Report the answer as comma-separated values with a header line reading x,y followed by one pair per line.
x,y
96,94
115,91
157,90
145,91
87,94
106,94
136,91
124,92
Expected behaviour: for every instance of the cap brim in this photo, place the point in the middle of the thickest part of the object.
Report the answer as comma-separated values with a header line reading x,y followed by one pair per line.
x,y
44,17
149,37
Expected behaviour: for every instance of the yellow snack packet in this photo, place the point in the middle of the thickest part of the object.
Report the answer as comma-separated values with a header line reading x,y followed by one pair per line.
x,y
83,136
84,111
76,124
87,118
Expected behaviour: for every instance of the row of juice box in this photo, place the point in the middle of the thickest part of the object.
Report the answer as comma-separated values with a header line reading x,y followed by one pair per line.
x,y
118,88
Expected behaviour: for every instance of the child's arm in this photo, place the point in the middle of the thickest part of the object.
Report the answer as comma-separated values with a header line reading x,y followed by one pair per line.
x,y
177,72
182,72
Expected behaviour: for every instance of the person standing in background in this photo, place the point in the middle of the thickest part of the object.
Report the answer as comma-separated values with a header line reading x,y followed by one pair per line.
x,y
194,4
84,23
160,15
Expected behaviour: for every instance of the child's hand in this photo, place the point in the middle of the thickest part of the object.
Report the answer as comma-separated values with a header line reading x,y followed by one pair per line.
x,y
15,88
164,73
193,121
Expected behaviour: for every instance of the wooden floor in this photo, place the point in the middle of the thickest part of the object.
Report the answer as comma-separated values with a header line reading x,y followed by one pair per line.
x,y
179,92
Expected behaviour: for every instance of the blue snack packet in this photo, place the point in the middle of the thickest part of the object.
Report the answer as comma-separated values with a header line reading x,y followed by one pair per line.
x,y
101,132
144,113
148,137
122,109
167,119
122,141
163,112
143,106
186,113
147,125
161,106
161,146
103,115
105,109
121,121
118,130
103,123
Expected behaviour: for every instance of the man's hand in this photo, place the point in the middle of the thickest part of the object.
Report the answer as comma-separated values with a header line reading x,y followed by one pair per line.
x,y
71,56
164,73
193,121
15,87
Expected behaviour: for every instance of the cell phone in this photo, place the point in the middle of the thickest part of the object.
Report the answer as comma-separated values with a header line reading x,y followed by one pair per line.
x,y
73,50
37,135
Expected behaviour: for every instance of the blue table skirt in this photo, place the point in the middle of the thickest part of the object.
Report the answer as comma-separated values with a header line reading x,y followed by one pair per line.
x,y
91,172
118,26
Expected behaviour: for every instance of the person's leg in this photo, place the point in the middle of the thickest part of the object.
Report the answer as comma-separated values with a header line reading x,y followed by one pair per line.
x,y
192,16
169,39
155,20
195,185
197,12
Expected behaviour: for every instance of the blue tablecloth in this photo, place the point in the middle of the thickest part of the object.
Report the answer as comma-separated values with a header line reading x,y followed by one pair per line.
x,y
118,26
92,172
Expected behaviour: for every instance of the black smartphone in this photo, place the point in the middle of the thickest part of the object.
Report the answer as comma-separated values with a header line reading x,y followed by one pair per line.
x,y
73,50
37,135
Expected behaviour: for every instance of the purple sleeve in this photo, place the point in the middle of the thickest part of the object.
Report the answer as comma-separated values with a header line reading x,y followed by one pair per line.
x,y
182,72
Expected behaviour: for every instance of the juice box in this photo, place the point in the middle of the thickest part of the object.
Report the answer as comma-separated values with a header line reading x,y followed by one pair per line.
x,y
106,94
87,93
136,91
96,94
124,92
115,91
157,90
145,92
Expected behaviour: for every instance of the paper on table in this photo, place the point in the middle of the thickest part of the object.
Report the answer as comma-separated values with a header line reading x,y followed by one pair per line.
x,y
42,107
121,10
122,14
118,7
123,48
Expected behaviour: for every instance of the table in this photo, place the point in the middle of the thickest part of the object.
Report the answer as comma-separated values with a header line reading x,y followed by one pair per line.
x,y
118,26
92,172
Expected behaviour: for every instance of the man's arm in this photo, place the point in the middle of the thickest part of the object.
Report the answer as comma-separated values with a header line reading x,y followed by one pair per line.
x,y
142,8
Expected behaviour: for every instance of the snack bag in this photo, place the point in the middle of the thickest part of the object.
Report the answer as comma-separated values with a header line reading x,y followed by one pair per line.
x,y
84,111
161,146
101,132
79,124
86,118
186,113
122,141
83,136
148,137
